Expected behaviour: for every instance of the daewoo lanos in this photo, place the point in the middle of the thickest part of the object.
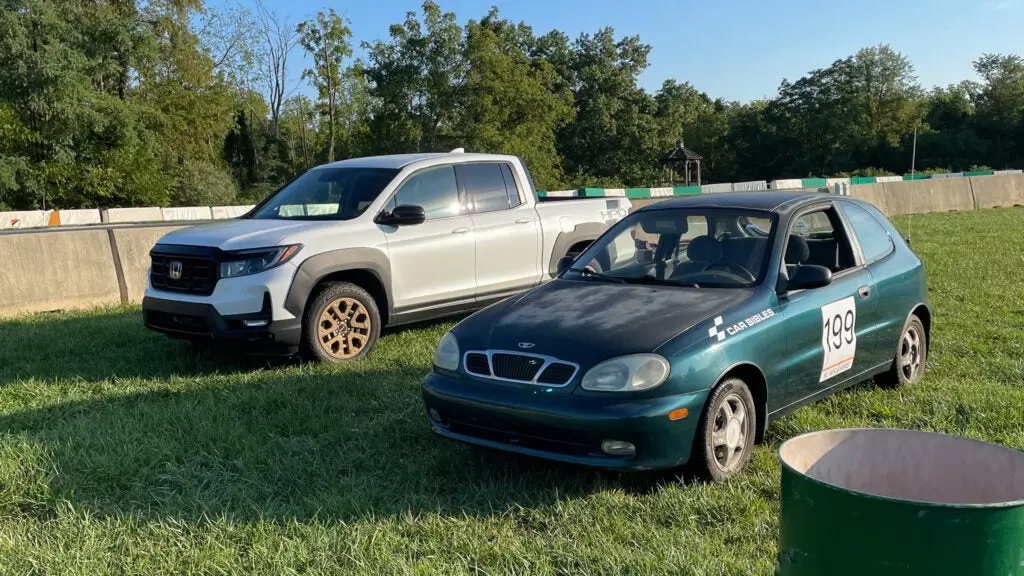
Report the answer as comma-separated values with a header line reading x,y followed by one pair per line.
x,y
678,334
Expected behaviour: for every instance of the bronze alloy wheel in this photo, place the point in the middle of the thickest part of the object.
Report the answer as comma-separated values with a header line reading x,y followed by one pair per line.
x,y
344,328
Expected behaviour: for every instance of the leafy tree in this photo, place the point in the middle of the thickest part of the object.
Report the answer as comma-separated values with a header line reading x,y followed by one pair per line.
x,y
326,39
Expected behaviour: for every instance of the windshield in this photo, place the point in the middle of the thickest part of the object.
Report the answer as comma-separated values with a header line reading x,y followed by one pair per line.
x,y
327,194
694,247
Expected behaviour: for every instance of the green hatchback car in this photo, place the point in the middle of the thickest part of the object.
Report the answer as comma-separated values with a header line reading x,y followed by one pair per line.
x,y
679,333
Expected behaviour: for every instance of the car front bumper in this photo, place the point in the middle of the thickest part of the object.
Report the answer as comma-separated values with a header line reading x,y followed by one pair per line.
x,y
563,427
254,332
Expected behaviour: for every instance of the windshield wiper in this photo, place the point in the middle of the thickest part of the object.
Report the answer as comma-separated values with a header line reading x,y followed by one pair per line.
x,y
588,273
648,279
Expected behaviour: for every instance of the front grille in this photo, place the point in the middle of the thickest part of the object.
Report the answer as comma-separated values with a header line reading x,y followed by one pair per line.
x,y
516,366
476,363
198,274
183,323
524,368
557,373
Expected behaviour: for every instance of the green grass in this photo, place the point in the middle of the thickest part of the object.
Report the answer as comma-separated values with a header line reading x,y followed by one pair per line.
x,y
124,452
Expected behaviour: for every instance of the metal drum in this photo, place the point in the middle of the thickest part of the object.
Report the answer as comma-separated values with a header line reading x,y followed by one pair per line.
x,y
882,501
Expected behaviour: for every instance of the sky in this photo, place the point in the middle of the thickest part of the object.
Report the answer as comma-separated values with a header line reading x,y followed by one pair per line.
x,y
735,49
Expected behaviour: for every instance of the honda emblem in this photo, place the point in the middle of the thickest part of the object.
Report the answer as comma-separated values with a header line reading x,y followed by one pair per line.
x,y
174,270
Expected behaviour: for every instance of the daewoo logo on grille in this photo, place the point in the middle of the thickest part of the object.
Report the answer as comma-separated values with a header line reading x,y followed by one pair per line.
x,y
526,345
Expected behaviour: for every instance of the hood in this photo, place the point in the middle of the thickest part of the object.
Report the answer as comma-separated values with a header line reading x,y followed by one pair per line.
x,y
590,321
244,234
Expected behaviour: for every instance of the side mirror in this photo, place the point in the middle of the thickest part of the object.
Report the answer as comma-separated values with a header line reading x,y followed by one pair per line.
x,y
809,276
564,263
404,215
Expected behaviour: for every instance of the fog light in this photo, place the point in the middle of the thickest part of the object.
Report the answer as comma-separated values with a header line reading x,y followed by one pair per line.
x,y
255,323
618,448
434,415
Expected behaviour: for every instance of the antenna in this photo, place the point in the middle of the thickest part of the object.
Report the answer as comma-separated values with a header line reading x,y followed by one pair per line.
x,y
910,203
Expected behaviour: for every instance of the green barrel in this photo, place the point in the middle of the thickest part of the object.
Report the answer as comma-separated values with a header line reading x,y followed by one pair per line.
x,y
880,501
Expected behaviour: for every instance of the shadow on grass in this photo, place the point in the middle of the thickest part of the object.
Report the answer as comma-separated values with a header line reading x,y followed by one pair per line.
x,y
115,343
105,344
344,446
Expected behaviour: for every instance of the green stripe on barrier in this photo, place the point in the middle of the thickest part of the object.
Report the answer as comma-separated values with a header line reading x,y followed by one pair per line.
x,y
638,192
686,190
980,173
813,183
542,194
591,192
908,177
863,180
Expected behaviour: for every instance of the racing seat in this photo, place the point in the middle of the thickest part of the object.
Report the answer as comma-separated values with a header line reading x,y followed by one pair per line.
x,y
702,252
797,253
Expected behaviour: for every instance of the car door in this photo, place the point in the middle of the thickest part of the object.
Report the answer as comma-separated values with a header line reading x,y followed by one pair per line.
x,y
825,327
876,247
506,229
433,264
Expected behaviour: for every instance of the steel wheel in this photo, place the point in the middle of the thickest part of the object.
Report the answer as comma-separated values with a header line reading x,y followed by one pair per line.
x,y
729,436
344,328
910,358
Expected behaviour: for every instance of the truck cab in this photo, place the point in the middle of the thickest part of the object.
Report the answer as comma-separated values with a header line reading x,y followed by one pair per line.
x,y
347,248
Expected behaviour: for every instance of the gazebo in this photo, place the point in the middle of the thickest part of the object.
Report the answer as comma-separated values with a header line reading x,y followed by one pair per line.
x,y
681,163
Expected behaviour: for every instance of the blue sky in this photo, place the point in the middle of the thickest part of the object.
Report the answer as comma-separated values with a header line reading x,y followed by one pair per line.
x,y
738,49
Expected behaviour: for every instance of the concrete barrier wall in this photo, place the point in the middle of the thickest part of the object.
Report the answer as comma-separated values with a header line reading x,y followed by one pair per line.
x,y
186,213
873,193
993,191
122,215
932,195
133,246
41,272
53,269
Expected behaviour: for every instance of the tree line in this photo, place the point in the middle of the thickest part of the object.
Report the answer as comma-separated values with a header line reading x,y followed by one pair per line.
x,y
108,103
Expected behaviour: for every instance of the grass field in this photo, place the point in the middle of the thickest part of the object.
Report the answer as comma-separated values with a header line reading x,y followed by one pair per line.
x,y
124,452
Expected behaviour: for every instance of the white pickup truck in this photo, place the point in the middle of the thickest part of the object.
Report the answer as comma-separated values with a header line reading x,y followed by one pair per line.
x,y
322,265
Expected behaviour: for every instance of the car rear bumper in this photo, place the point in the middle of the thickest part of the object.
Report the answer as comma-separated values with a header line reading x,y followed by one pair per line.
x,y
193,320
563,427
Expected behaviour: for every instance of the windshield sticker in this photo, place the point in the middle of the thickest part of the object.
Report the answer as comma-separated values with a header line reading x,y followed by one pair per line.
x,y
838,337
719,333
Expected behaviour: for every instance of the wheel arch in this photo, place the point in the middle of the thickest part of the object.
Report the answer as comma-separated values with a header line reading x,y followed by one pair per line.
x,y
583,235
922,311
364,267
754,377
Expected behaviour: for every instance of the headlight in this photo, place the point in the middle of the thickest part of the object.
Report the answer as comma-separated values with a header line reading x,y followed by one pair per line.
x,y
627,374
245,262
446,355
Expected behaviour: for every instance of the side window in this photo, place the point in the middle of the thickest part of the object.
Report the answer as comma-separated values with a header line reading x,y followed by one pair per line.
x,y
484,186
874,240
434,189
822,235
514,197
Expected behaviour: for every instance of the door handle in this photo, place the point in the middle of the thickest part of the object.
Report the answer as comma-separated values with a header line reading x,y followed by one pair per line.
x,y
864,291
460,230
524,220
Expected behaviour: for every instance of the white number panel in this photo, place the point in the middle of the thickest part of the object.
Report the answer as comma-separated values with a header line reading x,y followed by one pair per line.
x,y
838,336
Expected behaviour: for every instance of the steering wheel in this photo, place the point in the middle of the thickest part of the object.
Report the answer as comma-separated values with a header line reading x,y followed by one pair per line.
x,y
732,266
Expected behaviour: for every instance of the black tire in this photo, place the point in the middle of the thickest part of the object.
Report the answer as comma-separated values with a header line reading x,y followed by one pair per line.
x,y
908,362
706,459
352,321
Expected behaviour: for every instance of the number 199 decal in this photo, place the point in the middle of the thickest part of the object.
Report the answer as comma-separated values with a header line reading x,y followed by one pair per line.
x,y
838,336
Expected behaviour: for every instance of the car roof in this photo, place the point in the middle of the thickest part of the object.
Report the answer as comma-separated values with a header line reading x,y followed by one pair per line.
x,y
765,201
398,161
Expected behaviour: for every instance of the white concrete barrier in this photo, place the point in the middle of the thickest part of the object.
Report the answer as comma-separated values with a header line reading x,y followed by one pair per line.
x,y
186,213
126,215
79,217
224,212
24,219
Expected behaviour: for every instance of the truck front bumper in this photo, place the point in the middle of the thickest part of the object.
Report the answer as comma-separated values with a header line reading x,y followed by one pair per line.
x,y
563,427
254,332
